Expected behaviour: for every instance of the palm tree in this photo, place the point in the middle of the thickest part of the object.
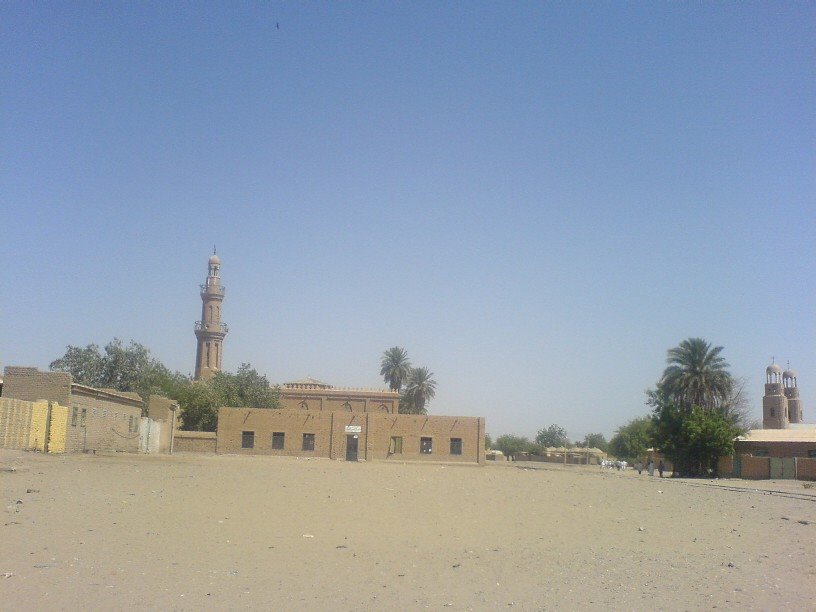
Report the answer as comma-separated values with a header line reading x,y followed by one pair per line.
x,y
395,367
696,376
421,388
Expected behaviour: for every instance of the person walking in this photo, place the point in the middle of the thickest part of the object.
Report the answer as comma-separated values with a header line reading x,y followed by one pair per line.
x,y
660,467
650,467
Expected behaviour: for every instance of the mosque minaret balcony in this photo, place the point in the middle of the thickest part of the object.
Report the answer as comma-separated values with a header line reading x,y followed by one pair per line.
x,y
217,328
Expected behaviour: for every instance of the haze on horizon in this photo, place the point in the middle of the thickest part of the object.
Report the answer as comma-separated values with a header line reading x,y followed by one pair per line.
x,y
535,200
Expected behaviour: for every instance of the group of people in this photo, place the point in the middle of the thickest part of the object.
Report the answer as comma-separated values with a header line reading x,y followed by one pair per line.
x,y
614,465
638,465
650,467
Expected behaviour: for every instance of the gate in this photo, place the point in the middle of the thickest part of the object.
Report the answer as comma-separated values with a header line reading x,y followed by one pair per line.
x,y
783,468
149,432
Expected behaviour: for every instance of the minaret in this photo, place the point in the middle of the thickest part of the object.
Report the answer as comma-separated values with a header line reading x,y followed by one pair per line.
x,y
774,403
792,393
210,331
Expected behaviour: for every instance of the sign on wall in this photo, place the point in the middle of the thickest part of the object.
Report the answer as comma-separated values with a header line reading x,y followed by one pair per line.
x,y
354,429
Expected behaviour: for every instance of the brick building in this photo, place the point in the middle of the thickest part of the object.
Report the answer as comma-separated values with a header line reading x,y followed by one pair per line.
x,y
786,446
98,419
318,419
210,331
781,404
351,435
796,441
311,394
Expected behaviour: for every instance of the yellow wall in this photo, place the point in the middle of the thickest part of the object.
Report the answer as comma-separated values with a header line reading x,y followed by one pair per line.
x,y
15,423
59,429
39,422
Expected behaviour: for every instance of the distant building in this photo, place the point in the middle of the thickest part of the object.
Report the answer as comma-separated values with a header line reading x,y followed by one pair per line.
x,y
781,405
210,331
95,419
318,419
785,447
311,394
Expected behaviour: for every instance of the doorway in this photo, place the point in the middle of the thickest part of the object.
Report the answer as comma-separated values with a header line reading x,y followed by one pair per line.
x,y
351,447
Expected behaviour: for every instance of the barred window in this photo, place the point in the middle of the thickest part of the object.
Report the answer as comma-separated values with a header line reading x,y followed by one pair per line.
x,y
456,446
395,448
278,438
426,445
74,416
308,441
247,439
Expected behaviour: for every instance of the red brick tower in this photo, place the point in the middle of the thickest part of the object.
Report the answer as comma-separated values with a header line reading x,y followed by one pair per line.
x,y
210,331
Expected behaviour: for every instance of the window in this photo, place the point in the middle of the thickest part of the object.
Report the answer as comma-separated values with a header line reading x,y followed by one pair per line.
x,y
247,439
395,447
278,438
82,417
74,416
773,412
456,446
426,445
308,442
812,453
130,424
761,452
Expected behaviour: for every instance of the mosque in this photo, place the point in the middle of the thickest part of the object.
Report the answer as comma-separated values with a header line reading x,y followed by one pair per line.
x,y
319,419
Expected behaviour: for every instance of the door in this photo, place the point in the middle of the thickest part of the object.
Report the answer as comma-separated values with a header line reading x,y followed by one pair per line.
x,y
776,468
351,447
789,468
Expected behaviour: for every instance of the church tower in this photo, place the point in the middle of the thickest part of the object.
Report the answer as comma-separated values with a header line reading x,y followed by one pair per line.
x,y
210,331
774,403
792,393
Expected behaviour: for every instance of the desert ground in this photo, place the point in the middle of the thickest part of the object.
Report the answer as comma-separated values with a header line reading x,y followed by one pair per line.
x,y
192,532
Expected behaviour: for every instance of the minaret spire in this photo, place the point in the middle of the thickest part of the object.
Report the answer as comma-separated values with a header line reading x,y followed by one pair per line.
x,y
210,331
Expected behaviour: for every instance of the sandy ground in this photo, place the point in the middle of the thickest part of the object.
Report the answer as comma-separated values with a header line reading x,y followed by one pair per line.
x,y
225,532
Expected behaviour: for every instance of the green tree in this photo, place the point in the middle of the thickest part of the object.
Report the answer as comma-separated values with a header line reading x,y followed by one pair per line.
x,y
595,440
395,367
85,365
201,399
133,368
244,388
693,439
123,368
554,435
420,390
631,441
511,445
198,402
697,375
708,435
488,442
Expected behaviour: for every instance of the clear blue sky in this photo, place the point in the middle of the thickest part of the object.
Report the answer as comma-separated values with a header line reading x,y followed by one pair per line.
x,y
536,200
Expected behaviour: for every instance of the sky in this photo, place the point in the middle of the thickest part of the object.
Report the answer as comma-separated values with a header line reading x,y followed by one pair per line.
x,y
536,200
